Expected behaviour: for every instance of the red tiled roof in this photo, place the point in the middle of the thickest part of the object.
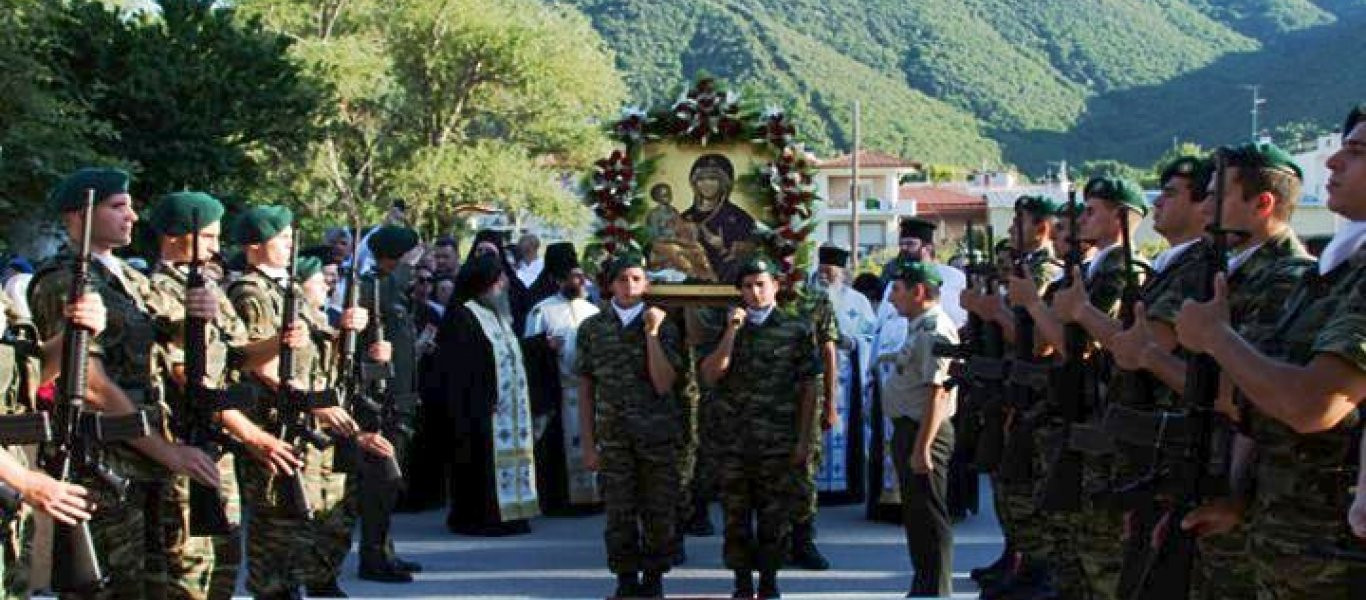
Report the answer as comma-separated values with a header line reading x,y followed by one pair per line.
x,y
936,200
870,159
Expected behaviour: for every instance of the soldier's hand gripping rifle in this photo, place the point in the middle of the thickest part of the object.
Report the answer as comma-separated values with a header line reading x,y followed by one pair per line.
x,y
366,381
296,427
194,419
1024,377
1062,491
1169,571
989,366
76,436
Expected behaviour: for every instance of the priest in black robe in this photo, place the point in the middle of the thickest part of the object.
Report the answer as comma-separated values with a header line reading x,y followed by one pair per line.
x,y
492,479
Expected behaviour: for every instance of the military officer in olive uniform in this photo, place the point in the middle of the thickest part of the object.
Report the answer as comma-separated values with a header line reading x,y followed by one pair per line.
x,y
629,358
764,370
120,379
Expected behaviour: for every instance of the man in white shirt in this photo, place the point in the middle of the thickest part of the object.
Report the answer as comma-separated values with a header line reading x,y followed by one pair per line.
x,y
529,263
565,486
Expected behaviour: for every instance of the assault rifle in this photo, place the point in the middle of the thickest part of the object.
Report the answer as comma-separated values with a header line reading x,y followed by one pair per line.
x,y
74,442
1062,490
367,381
295,421
1167,573
1017,465
990,364
959,377
194,419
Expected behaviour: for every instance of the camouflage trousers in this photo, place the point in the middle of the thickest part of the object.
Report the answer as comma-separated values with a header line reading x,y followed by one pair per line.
x,y
806,500
688,450
16,544
1058,538
1097,532
333,495
275,538
1278,534
1226,571
639,483
706,473
756,495
126,542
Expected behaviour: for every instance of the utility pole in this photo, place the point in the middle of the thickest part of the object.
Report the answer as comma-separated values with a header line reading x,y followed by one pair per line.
x,y
1257,102
853,192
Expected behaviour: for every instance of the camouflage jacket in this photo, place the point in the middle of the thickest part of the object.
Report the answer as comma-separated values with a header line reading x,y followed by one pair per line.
x,y
816,307
260,302
1305,476
20,362
1163,294
222,337
759,396
625,403
1258,288
136,319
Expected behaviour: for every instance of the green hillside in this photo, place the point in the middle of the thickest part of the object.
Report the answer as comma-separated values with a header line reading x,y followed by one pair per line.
x,y
1019,81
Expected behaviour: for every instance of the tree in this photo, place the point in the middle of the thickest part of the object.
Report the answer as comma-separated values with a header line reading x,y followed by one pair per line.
x,y
1109,168
457,101
198,96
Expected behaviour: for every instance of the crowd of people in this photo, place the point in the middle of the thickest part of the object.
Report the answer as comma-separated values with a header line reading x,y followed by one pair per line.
x,y
316,390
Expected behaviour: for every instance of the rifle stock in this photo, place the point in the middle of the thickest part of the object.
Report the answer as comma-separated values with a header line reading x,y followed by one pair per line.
x,y
290,405
208,511
991,443
1062,489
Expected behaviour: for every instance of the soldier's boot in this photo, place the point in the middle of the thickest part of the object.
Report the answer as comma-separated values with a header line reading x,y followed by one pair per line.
x,y
744,585
699,525
628,585
1031,582
652,585
329,589
406,565
768,585
383,572
992,577
804,553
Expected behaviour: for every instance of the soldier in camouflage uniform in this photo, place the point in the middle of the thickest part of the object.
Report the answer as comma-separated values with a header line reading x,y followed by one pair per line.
x,y
333,490
204,566
1093,301
1301,388
817,308
396,250
628,361
276,557
121,380
22,357
764,369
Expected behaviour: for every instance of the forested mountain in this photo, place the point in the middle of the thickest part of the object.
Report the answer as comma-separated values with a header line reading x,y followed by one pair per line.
x,y
1016,81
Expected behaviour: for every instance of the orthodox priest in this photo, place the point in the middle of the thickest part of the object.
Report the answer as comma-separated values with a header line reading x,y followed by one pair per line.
x,y
841,475
564,486
492,481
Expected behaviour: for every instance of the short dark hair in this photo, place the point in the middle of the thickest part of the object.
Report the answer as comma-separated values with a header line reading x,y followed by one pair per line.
x,y
1256,178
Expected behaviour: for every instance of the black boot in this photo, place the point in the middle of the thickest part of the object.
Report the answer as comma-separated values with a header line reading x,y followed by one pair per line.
x,y
628,586
700,523
744,585
768,585
680,554
406,565
328,589
652,585
383,572
804,552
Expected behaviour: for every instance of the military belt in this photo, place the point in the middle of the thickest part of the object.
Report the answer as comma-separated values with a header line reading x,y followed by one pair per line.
x,y
1029,374
1164,430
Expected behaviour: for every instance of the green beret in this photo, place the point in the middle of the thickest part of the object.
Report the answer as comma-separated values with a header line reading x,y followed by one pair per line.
x,y
755,266
912,272
307,267
622,262
1261,155
1063,209
69,195
261,223
392,241
1194,168
1115,189
1038,206
174,214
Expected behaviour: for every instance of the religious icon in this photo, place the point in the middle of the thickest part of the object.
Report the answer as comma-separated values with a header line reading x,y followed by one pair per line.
x,y
682,253
661,219
723,229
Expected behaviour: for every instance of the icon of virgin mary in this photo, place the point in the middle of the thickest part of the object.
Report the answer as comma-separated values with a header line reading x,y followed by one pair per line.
x,y
723,229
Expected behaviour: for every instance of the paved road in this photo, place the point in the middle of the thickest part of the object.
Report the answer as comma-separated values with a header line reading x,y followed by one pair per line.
x,y
563,558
